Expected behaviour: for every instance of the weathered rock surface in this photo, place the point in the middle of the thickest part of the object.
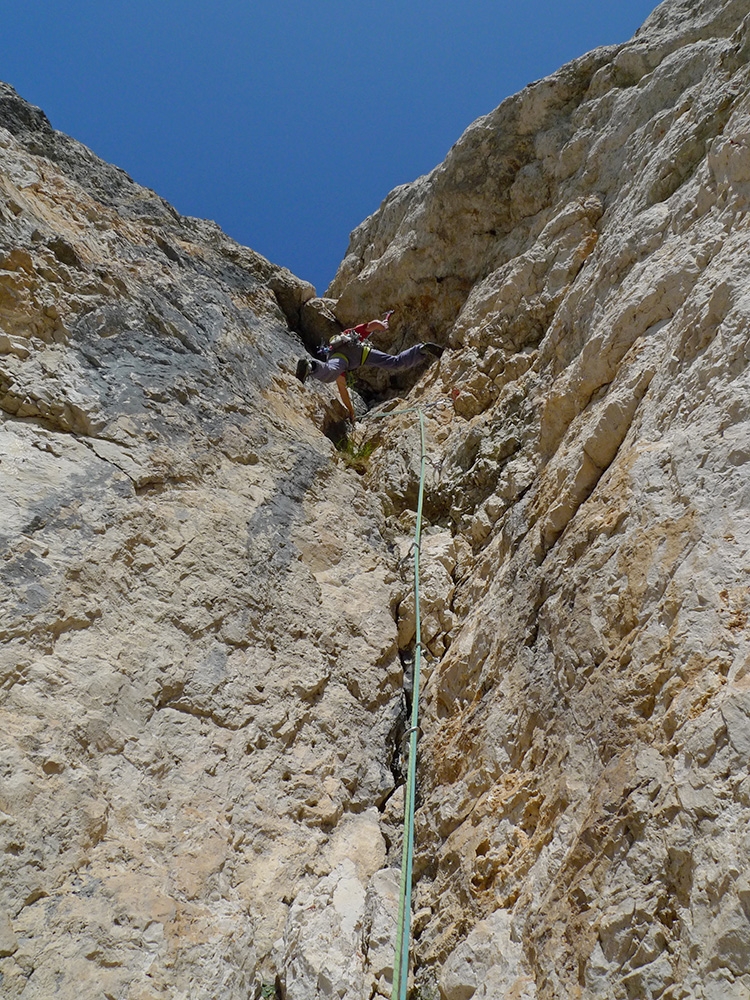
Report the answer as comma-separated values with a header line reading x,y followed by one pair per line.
x,y
206,609
199,667
584,777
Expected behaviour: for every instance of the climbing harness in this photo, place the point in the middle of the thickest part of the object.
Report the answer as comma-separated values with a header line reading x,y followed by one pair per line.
x,y
366,348
403,930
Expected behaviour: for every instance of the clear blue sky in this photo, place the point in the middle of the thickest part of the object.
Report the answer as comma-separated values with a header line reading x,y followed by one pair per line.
x,y
287,122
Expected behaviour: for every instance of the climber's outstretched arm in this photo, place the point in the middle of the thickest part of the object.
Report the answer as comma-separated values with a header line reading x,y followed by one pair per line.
x,y
376,325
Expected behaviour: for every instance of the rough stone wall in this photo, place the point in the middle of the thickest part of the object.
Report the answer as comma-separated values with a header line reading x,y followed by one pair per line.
x,y
199,676
583,253
205,609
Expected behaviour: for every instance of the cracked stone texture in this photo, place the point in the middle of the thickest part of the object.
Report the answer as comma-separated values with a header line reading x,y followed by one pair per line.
x,y
206,609
199,671
584,787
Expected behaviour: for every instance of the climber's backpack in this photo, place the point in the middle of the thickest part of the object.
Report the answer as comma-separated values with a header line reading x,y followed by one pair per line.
x,y
349,338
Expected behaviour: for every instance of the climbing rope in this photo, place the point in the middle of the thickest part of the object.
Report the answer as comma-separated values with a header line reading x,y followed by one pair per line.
x,y
403,930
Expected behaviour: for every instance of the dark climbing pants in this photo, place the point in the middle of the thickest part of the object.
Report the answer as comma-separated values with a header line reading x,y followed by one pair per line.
x,y
329,371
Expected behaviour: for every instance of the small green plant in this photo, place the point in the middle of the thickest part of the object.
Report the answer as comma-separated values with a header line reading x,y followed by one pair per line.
x,y
268,991
355,456
427,989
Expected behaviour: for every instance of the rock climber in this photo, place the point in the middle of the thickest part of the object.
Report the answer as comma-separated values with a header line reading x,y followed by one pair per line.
x,y
348,350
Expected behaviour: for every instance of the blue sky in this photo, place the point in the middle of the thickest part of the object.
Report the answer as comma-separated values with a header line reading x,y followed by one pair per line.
x,y
287,123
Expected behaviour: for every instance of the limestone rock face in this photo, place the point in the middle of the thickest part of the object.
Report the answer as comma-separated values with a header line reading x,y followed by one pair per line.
x,y
583,252
207,622
199,671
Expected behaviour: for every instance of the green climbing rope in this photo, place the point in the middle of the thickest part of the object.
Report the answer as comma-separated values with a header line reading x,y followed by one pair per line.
x,y
403,930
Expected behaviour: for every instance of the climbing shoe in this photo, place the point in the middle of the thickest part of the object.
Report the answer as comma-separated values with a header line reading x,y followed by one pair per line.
x,y
304,367
434,349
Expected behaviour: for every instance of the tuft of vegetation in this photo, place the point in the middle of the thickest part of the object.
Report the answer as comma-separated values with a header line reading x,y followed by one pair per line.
x,y
354,455
427,989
